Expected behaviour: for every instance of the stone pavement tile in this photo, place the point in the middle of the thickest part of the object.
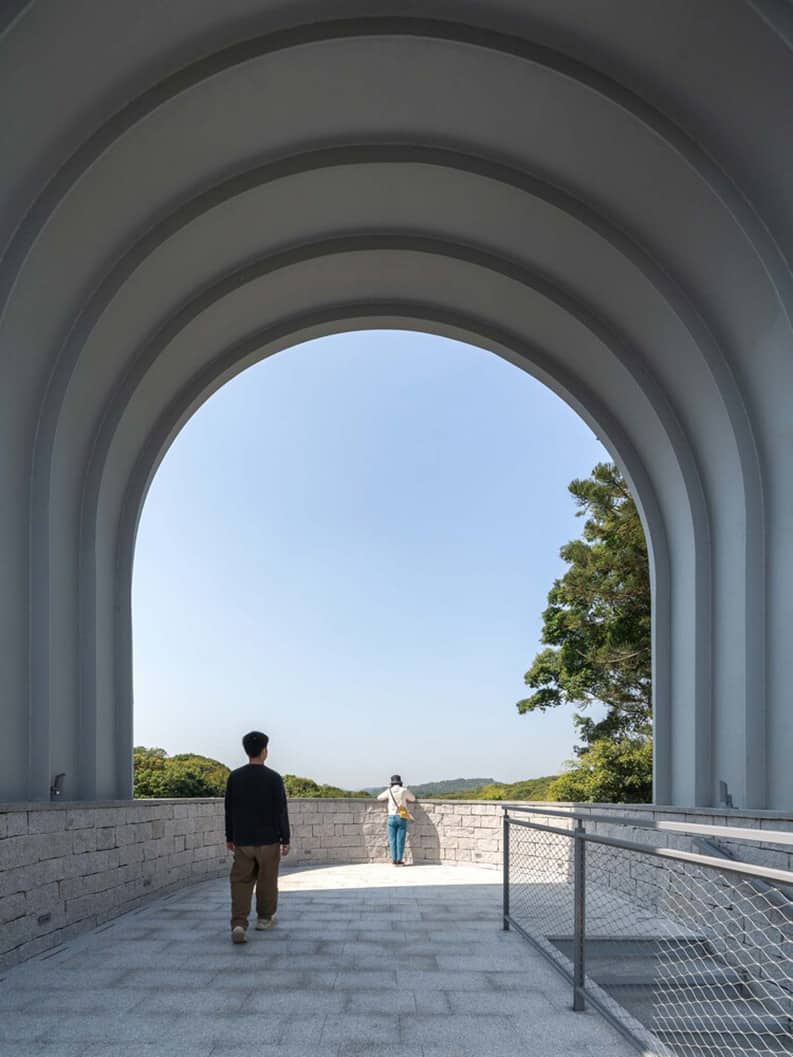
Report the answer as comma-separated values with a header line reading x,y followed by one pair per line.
x,y
260,1048
394,958
480,1047
432,1001
368,1049
91,1000
314,962
366,1028
482,963
438,980
567,1031
452,945
618,1048
552,983
101,1027
526,1003
179,978
14,1000
377,1002
125,956
170,1048
294,1002
305,1030
241,1028
23,1027
44,976
49,1049
386,938
453,1031
249,978
188,1000
375,979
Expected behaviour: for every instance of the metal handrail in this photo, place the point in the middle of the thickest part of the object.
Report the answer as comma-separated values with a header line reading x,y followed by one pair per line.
x,y
764,873
584,991
764,836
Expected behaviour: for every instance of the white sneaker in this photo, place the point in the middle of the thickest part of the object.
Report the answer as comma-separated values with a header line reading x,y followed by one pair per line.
x,y
238,935
266,923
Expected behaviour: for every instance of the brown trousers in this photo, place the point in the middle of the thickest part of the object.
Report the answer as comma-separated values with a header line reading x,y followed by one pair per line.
x,y
254,864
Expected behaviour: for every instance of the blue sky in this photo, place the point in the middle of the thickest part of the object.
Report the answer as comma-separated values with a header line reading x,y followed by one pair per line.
x,y
349,547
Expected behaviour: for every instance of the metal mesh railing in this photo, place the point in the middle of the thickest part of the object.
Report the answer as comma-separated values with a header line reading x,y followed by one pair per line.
x,y
688,955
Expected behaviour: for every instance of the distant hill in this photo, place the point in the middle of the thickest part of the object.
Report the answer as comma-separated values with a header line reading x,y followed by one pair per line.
x,y
450,785
307,787
530,789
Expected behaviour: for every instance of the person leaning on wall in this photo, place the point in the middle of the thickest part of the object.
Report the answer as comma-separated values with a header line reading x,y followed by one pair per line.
x,y
398,797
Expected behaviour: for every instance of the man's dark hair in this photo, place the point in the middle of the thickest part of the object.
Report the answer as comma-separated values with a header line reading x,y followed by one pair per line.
x,y
254,742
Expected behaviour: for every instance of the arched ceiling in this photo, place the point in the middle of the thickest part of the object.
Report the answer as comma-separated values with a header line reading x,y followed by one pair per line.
x,y
597,192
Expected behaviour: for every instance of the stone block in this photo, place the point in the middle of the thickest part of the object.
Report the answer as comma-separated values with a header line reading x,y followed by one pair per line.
x,y
52,820
15,933
131,853
14,880
16,851
71,887
486,845
143,831
84,840
80,818
43,898
105,837
125,834
11,907
89,905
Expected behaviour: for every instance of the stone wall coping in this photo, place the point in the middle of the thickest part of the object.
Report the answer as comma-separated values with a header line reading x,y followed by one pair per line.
x,y
720,812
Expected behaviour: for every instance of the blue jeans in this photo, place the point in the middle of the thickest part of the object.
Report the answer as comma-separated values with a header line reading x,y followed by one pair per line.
x,y
397,828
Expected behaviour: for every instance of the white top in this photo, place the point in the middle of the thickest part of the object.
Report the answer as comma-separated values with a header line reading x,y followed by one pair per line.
x,y
402,796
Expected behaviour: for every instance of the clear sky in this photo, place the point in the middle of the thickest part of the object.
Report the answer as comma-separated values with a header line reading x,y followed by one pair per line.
x,y
349,547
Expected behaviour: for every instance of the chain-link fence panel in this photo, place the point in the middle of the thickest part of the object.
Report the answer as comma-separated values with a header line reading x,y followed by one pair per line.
x,y
691,960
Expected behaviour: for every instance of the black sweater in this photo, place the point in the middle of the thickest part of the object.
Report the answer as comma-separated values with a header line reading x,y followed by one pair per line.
x,y
256,806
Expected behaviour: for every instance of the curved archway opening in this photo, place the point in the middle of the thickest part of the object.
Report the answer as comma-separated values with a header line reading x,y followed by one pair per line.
x,y
354,538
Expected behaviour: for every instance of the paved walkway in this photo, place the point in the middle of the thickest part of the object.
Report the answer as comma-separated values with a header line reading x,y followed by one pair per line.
x,y
366,961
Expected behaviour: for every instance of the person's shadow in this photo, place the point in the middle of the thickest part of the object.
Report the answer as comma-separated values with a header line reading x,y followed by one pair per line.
x,y
423,844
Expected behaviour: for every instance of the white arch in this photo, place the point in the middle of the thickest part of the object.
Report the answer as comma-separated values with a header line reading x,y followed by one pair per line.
x,y
562,188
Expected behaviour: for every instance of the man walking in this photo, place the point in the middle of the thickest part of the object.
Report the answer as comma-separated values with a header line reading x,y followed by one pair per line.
x,y
257,831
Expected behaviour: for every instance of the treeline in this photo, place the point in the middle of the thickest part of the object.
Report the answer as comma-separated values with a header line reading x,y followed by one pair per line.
x,y
158,775
307,787
531,789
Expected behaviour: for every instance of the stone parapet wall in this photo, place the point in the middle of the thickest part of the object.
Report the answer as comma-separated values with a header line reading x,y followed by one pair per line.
x,y
65,868
355,831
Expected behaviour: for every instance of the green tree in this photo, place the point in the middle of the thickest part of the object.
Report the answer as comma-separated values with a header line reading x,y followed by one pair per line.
x,y
597,634
185,775
307,787
608,772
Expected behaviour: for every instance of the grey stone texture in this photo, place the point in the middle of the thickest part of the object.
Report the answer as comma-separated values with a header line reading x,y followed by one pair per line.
x,y
65,868
165,981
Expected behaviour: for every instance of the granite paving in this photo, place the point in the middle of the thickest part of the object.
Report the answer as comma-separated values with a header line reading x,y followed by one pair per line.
x,y
366,961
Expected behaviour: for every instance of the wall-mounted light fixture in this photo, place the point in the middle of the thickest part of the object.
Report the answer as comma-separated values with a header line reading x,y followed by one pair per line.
x,y
56,789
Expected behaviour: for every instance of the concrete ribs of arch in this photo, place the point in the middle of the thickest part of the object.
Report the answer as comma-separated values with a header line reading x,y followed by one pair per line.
x,y
245,178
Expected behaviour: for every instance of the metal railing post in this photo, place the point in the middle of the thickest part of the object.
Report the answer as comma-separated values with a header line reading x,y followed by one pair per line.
x,y
505,882
579,923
